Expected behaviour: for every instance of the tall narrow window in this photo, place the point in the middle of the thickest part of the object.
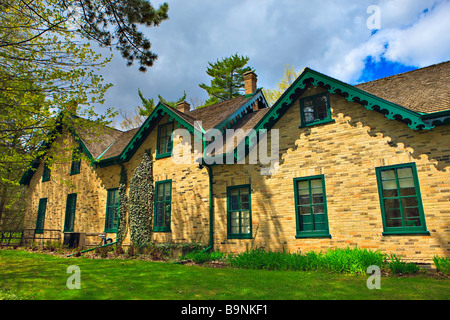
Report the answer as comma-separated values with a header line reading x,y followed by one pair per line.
x,y
41,215
239,212
400,200
71,205
164,144
163,203
311,207
112,210
315,109
46,173
76,162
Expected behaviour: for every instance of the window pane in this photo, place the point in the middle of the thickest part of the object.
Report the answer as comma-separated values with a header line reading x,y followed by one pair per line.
x,y
388,174
407,187
318,209
409,202
167,191
303,199
391,204
308,110
322,111
305,210
318,198
390,188
404,173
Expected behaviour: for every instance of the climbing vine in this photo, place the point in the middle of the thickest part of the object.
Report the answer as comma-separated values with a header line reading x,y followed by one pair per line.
x,y
123,207
141,202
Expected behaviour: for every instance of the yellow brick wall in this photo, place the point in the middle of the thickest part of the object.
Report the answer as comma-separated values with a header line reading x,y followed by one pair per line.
x,y
190,196
346,153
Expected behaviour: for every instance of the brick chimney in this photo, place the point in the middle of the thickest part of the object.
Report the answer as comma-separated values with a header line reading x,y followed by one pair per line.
x,y
250,80
184,107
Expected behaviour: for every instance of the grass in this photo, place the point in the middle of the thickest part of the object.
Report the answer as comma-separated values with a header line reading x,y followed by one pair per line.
x,y
31,275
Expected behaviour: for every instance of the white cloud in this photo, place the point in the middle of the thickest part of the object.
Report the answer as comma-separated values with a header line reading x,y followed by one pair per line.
x,y
420,39
329,36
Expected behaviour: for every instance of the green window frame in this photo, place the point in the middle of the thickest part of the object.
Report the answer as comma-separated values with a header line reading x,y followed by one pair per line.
x,y
112,210
315,110
400,199
162,207
311,207
41,216
46,173
71,205
75,166
164,140
239,212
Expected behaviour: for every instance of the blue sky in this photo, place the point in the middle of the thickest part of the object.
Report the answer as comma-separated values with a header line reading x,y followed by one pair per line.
x,y
329,36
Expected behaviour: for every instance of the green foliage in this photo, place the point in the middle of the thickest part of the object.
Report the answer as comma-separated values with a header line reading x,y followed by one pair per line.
x,y
149,104
442,264
397,266
141,202
202,257
227,78
353,261
122,227
288,78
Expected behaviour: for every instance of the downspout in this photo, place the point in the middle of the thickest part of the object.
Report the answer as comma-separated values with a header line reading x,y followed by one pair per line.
x,y
211,207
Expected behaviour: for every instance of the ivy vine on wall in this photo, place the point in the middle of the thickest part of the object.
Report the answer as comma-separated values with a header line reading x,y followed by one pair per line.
x,y
123,206
141,202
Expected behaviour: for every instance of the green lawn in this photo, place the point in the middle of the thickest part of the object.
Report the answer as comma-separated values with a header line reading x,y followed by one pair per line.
x,y
26,275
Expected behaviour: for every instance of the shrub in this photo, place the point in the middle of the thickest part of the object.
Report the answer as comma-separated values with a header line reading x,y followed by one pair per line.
x,y
202,257
336,260
397,266
442,264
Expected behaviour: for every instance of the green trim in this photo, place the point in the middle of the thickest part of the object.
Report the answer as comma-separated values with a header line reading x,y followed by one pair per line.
x,y
311,233
165,203
239,210
403,229
40,220
69,219
157,114
110,225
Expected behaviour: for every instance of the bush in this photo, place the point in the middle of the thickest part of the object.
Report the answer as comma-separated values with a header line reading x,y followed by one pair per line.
x,y
202,257
397,266
336,260
442,264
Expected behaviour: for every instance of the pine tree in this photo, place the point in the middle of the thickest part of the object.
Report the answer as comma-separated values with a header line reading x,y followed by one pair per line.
x,y
228,78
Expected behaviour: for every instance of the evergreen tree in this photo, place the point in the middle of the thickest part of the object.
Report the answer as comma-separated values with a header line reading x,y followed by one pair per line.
x,y
228,78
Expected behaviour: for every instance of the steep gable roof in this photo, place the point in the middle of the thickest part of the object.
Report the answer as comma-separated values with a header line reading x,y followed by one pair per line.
x,y
220,116
437,84
424,90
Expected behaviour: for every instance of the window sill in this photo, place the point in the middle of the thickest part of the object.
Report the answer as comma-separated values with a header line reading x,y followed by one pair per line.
x,y
239,236
110,231
405,233
161,230
312,235
311,124
163,155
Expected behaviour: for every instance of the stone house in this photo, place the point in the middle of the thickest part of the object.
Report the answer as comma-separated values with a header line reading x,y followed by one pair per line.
x,y
364,165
